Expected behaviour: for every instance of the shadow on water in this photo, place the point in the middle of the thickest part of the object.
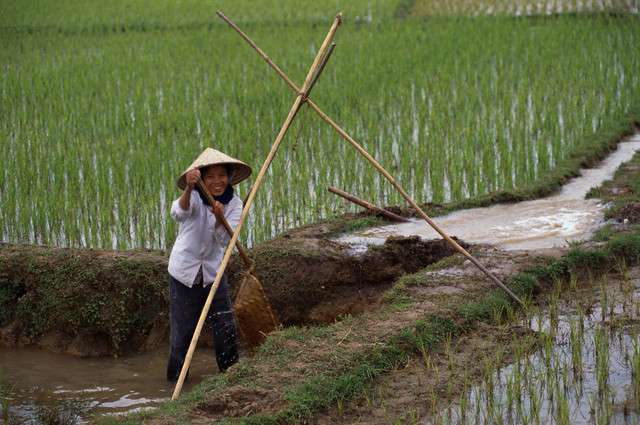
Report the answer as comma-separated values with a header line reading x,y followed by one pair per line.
x,y
37,383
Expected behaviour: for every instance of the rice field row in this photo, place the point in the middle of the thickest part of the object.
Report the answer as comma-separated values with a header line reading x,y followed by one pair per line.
x,y
121,15
521,7
98,127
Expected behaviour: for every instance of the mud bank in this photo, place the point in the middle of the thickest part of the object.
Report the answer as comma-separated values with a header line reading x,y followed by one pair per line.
x,y
95,303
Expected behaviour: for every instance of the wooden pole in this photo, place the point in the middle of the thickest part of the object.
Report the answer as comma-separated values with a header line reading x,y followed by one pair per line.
x,y
375,163
302,94
367,205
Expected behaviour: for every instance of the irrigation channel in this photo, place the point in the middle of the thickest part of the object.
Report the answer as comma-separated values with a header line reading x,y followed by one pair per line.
x,y
114,385
531,225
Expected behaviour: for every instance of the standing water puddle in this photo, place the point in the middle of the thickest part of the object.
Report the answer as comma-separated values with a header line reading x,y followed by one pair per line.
x,y
586,370
38,380
541,223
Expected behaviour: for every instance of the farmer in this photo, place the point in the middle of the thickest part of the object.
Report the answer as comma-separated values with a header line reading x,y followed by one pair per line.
x,y
197,254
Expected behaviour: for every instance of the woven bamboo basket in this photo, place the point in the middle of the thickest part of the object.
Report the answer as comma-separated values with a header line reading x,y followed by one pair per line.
x,y
253,312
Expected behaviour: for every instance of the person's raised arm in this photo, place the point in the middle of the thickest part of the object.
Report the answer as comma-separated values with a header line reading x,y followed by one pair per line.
x,y
192,178
181,207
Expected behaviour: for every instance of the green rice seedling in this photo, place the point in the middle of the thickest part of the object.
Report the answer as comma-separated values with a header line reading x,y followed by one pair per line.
x,y
433,403
368,398
576,343
553,311
623,270
565,380
509,396
426,357
449,388
462,402
5,400
604,302
635,371
562,410
548,350
449,353
518,389
478,404
601,347
534,403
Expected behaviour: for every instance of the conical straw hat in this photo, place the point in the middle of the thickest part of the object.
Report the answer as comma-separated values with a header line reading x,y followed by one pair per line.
x,y
214,157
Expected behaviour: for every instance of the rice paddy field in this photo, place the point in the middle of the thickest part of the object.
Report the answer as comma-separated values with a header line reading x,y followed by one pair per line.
x,y
104,104
585,370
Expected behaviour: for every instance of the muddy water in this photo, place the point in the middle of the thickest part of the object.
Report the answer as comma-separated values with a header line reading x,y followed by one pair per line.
x,y
37,378
530,225
587,370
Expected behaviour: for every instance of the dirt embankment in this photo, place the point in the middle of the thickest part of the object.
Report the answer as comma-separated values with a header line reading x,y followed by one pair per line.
x,y
315,280
92,303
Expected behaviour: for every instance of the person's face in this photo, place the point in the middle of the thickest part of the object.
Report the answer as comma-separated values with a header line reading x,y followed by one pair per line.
x,y
215,179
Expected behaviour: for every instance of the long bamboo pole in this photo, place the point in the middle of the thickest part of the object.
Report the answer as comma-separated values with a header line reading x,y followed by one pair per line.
x,y
368,205
375,163
302,94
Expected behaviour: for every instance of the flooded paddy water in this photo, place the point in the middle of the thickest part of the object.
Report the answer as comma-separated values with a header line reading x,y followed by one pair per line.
x,y
586,369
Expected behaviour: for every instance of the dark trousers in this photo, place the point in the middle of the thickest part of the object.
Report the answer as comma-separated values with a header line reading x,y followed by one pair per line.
x,y
185,308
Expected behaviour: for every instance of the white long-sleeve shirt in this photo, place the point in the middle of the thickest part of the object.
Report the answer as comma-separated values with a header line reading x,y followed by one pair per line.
x,y
200,243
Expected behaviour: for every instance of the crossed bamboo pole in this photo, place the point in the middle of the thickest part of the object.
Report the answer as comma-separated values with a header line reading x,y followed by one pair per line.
x,y
372,160
312,76
368,205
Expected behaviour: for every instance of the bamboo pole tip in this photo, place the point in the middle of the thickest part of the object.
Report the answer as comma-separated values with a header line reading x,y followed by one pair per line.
x,y
339,18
